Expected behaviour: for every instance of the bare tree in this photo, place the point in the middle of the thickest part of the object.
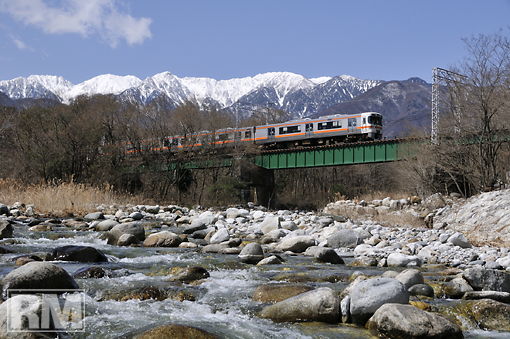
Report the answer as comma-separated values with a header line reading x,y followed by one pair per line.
x,y
477,108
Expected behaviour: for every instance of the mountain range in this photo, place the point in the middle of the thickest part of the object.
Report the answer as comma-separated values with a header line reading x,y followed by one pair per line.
x,y
398,101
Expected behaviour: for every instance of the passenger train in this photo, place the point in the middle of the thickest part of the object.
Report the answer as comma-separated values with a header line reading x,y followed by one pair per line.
x,y
326,130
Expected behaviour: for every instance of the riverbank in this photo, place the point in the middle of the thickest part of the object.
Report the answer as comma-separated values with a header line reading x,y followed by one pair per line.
x,y
204,268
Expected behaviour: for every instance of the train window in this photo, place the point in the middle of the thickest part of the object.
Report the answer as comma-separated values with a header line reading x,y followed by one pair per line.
x,y
351,122
223,136
309,127
375,119
328,125
364,121
247,134
270,131
290,129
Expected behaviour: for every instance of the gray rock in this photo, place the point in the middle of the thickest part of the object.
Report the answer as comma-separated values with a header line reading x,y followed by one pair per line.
x,y
190,274
289,225
368,295
403,260
220,236
273,293
194,227
493,265
38,275
456,288
324,254
162,239
272,260
106,225
458,239
94,216
421,289
251,253
296,244
269,224
5,229
321,304
503,297
344,238
134,228
127,240
76,253
136,216
407,321
487,280
152,209
410,277
4,209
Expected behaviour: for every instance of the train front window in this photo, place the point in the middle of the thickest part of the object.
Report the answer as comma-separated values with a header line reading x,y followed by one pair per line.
x,y
375,120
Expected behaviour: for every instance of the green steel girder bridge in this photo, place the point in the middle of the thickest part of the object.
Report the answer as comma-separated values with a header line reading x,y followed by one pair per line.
x,y
336,155
266,162
304,157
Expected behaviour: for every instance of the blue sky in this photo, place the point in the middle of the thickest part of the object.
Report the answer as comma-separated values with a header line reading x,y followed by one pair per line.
x,y
224,39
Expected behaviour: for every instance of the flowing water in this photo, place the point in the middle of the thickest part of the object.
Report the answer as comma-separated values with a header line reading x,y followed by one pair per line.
x,y
220,304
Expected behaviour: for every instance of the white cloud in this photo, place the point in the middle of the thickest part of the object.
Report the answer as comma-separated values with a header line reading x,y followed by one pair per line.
x,y
20,44
84,17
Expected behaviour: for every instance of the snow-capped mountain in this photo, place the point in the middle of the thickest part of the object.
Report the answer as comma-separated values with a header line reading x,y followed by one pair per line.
x,y
295,93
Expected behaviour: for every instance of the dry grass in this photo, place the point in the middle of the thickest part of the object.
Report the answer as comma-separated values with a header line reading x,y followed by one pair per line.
x,y
59,198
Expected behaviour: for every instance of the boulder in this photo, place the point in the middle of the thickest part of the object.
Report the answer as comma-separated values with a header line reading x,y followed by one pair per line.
x,y
4,209
5,229
368,295
490,315
162,239
344,238
296,244
134,228
269,224
321,304
274,293
106,225
457,287
220,236
503,297
403,260
38,275
458,239
190,274
127,239
407,321
197,225
176,331
251,253
136,216
72,223
272,260
410,277
421,289
482,279
324,254
94,216
76,253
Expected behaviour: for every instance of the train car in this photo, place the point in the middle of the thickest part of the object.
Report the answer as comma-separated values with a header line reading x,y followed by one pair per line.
x,y
324,130
327,130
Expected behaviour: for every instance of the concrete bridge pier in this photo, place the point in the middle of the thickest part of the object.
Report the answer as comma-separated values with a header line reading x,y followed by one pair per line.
x,y
262,179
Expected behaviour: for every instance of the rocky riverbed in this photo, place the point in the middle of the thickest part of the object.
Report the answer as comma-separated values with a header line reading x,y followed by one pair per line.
x,y
245,272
